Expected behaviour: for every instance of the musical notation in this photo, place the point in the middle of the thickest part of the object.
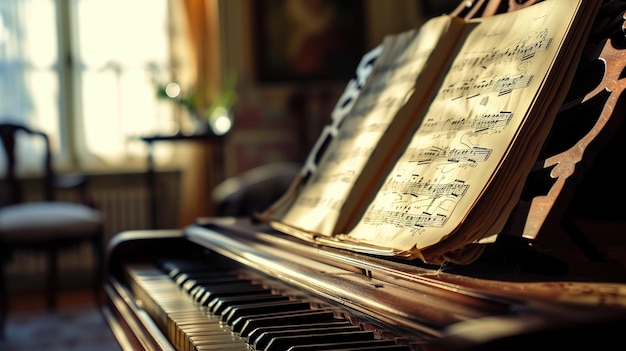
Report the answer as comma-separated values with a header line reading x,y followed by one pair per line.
x,y
431,180
419,203
396,73
434,154
404,219
427,149
473,155
425,188
481,123
519,51
477,86
518,54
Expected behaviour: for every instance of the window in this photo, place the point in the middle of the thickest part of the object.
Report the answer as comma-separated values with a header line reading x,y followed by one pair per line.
x,y
85,71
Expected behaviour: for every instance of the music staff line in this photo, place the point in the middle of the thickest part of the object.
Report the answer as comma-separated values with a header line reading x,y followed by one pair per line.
x,y
480,123
476,86
427,189
519,52
404,219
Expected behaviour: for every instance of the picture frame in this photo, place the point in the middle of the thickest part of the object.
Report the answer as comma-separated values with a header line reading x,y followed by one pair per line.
x,y
308,40
432,8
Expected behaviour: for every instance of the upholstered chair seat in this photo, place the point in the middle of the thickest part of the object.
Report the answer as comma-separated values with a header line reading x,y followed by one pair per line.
x,y
50,220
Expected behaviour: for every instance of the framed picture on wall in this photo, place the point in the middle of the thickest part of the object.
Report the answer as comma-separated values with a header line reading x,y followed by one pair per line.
x,y
434,8
308,40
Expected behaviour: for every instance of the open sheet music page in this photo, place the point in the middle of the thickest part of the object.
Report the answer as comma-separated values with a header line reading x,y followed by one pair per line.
x,y
391,83
486,97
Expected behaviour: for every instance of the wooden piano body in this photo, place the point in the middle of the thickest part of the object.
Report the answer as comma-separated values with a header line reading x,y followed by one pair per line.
x,y
555,278
423,308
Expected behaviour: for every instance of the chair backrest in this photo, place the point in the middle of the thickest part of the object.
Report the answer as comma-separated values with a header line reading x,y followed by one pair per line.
x,y
9,133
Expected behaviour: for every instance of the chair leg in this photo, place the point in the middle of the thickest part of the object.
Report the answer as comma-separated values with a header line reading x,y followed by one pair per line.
x,y
51,286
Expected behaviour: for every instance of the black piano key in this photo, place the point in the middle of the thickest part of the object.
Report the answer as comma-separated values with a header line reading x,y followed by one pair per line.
x,y
208,272
233,312
239,323
211,293
246,326
225,302
229,286
191,283
183,276
195,291
203,293
181,271
263,340
288,326
217,298
173,266
244,302
342,345
205,286
284,342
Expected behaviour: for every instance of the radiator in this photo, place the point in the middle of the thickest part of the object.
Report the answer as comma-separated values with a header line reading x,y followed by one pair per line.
x,y
124,207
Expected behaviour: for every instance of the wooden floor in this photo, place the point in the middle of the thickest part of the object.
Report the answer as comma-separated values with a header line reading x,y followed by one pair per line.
x,y
26,291
69,298
76,324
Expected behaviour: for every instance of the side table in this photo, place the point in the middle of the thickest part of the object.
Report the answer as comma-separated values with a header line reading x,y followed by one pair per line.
x,y
214,140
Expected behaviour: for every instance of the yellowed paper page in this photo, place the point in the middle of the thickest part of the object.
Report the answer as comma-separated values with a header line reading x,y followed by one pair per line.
x,y
469,127
394,76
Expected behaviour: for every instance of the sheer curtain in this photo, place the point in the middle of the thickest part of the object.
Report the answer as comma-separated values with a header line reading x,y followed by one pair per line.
x,y
203,71
85,71
121,52
28,71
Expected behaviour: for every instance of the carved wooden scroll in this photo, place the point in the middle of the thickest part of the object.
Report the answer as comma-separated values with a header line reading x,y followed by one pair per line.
x,y
586,121
567,167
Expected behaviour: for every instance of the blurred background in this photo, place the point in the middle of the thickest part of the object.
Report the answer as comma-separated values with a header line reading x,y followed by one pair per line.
x,y
193,92
170,108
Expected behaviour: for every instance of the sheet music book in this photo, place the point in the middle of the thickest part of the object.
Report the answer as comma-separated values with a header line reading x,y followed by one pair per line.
x,y
433,152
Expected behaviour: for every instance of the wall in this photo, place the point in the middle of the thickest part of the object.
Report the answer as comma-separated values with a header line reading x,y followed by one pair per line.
x,y
281,121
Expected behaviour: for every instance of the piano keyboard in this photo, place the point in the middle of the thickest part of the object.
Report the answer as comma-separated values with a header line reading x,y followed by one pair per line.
x,y
205,307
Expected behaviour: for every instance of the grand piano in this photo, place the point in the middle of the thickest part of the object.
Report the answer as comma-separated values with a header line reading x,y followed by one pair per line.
x,y
233,283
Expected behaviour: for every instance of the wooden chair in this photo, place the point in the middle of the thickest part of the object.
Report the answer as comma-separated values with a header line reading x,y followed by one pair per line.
x,y
43,226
